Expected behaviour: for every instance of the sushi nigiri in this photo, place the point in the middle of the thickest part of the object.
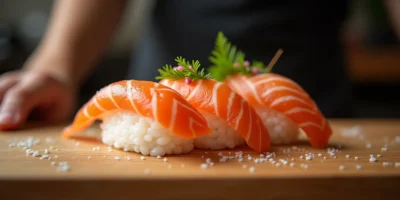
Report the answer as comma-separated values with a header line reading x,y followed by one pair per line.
x,y
142,116
284,106
232,120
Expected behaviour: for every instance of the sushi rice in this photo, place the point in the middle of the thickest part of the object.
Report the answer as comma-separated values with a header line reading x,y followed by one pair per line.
x,y
132,132
222,136
281,129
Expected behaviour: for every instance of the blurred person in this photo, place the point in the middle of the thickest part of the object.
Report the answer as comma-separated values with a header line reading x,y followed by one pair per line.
x,y
79,32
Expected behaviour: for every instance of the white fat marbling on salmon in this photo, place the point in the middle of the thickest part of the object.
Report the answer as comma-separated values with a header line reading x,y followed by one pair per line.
x,y
281,88
287,98
240,116
305,124
194,91
215,97
130,96
230,101
299,110
111,97
96,103
253,90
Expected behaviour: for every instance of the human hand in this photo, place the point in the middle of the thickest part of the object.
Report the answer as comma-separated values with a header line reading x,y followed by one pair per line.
x,y
33,93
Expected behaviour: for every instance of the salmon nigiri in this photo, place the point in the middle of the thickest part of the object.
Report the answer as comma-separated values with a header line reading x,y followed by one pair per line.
x,y
284,106
142,116
232,120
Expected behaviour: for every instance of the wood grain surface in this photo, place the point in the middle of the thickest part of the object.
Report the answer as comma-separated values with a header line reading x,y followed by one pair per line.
x,y
97,174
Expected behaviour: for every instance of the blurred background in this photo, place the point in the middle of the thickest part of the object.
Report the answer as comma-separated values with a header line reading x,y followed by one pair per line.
x,y
373,51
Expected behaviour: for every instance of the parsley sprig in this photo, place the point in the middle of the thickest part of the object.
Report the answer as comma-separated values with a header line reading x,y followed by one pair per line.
x,y
185,69
227,60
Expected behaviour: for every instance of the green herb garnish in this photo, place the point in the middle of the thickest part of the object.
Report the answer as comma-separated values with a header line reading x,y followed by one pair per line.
x,y
227,60
185,70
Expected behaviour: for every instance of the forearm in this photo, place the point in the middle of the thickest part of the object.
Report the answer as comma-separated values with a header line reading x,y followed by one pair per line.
x,y
393,7
78,34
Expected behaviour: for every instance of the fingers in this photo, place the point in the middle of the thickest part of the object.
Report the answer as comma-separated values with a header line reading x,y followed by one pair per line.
x,y
18,102
7,80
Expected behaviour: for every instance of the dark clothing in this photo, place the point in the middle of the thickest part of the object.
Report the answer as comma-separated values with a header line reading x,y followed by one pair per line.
x,y
307,31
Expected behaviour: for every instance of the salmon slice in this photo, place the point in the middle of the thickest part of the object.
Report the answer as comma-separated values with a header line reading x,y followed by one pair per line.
x,y
145,98
217,98
284,95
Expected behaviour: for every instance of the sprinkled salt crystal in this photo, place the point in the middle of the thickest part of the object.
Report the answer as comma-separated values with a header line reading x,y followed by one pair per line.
x,y
372,159
204,165
211,164
308,158
397,139
384,149
305,166
147,171
319,154
63,167
293,159
341,167
240,159
301,157
117,158
142,158
278,164
358,167
292,164
252,169
158,157
220,154
249,158
29,152
208,160
128,158
356,158
46,151
96,148
262,155
51,147
369,145
89,157
257,160
397,164
385,164
55,156
379,155
48,139
53,163
347,156
44,157
165,159
36,154
244,166
353,131
325,158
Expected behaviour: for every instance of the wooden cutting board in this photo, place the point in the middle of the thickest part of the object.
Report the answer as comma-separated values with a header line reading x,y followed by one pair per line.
x,y
95,170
